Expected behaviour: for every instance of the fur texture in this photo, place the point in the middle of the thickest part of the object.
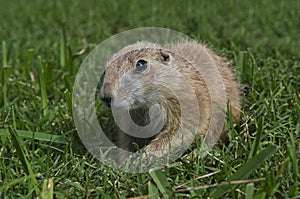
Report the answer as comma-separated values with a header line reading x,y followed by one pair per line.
x,y
186,67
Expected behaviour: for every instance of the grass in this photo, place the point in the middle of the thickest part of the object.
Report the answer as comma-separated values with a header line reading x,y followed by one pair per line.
x,y
40,152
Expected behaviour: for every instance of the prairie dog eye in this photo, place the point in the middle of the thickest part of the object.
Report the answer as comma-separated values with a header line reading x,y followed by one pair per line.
x,y
140,66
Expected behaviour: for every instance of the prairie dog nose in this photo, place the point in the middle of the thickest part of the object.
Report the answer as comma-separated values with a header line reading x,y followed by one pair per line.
x,y
106,99
105,95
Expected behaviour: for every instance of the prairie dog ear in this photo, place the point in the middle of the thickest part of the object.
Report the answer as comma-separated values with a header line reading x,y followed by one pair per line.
x,y
165,56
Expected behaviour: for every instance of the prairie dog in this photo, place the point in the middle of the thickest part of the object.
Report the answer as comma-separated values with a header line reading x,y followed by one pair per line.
x,y
137,77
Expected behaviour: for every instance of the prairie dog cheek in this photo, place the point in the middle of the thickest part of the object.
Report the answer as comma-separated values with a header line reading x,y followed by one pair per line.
x,y
129,89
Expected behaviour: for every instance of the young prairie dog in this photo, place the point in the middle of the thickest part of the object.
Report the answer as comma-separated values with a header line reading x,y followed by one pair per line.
x,y
138,76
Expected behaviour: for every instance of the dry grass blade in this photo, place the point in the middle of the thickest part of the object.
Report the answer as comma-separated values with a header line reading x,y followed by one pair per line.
x,y
198,178
84,49
143,197
217,185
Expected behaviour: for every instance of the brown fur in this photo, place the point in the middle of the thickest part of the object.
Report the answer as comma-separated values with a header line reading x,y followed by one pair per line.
x,y
193,61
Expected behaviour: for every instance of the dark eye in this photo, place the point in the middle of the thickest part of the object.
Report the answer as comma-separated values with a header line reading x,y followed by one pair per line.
x,y
140,65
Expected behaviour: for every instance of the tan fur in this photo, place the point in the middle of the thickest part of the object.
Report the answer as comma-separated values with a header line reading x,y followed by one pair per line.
x,y
193,61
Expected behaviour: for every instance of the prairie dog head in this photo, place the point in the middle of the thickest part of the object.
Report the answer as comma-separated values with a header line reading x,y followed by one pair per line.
x,y
136,76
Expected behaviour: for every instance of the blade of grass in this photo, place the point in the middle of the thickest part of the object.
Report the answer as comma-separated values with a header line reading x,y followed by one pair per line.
x,y
261,195
4,81
255,145
293,156
249,191
235,182
14,182
244,171
47,191
152,190
241,59
4,54
14,117
63,47
161,181
70,63
254,68
5,73
199,177
29,56
37,136
43,87
21,154
68,97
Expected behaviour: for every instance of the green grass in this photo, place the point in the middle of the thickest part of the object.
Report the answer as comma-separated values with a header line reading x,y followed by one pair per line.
x,y
40,152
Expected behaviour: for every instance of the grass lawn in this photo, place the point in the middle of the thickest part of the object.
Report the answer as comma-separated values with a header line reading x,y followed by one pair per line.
x,y
41,154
